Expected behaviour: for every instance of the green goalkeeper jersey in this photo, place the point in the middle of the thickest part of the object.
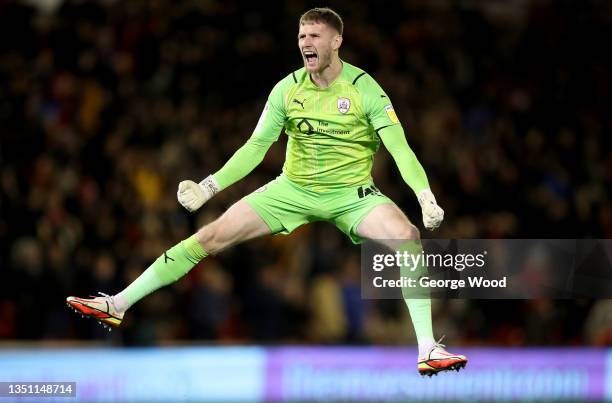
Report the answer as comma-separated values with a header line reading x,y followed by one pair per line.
x,y
333,133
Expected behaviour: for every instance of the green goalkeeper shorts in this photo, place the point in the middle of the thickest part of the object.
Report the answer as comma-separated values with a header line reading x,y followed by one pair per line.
x,y
284,206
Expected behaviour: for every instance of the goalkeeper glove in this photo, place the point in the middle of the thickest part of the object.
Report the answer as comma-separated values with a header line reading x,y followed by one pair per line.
x,y
193,195
432,213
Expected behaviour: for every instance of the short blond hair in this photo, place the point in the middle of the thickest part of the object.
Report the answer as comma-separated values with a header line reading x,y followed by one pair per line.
x,y
325,15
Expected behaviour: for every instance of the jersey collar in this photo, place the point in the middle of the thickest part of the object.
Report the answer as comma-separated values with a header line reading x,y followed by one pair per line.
x,y
311,83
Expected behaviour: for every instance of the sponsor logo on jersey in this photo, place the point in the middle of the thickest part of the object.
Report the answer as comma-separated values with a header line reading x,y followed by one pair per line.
x,y
391,113
305,127
344,104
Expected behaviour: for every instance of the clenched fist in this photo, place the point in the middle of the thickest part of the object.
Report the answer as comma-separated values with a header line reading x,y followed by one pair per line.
x,y
432,213
193,195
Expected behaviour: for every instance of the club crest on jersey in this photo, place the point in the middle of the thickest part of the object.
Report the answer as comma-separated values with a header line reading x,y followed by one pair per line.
x,y
344,104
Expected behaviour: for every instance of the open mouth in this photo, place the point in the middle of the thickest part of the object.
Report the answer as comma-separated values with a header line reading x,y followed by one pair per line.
x,y
311,57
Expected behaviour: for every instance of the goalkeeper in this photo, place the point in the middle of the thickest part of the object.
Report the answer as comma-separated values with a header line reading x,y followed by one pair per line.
x,y
335,116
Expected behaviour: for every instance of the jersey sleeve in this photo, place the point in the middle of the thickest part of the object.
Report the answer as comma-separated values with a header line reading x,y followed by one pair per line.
x,y
376,103
409,166
267,131
272,119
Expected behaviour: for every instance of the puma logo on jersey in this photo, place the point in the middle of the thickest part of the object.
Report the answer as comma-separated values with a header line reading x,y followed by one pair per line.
x,y
298,102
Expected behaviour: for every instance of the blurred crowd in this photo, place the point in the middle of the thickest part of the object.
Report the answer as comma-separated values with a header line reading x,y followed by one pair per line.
x,y
106,105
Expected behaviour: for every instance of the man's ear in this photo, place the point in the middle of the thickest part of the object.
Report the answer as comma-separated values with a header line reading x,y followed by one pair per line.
x,y
337,42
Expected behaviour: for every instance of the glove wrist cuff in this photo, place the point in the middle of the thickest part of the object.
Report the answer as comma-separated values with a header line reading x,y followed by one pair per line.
x,y
425,196
210,186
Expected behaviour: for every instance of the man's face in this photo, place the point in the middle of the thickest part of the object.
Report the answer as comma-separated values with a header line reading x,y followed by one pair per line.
x,y
317,42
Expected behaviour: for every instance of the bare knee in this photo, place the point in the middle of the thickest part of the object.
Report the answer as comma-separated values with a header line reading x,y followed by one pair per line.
x,y
239,223
211,238
408,231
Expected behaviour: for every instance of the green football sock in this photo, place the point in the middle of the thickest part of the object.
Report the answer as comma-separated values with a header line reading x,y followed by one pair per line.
x,y
417,299
168,268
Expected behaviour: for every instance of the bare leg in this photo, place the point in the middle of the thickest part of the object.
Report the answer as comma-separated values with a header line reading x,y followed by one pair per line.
x,y
238,224
387,221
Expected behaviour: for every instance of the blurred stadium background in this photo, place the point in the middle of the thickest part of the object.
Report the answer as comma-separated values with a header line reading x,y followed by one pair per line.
x,y
106,105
